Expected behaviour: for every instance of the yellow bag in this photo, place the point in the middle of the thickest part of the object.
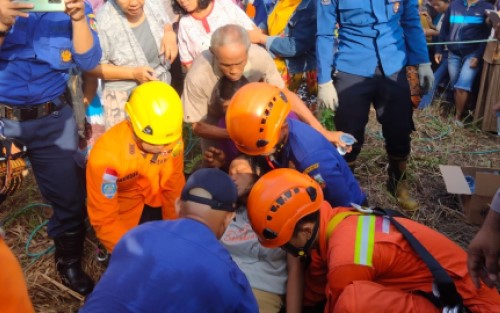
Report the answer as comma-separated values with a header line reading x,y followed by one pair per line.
x,y
13,167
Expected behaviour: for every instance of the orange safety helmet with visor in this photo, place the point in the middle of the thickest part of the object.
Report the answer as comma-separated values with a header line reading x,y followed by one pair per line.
x,y
255,116
277,201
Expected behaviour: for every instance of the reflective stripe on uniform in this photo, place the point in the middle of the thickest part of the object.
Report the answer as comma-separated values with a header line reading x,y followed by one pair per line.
x,y
382,224
365,237
333,223
365,233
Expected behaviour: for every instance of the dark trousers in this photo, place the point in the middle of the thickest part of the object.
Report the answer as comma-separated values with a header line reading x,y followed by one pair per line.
x,y
150,214
58,166
390,97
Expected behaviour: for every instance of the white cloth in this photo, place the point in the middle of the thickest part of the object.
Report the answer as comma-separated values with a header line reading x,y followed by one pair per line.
x,y
265,269
194,34
119,44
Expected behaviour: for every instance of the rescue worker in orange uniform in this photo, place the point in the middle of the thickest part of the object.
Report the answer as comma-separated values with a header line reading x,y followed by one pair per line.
x,y
358,262
14,296
258,124
135,170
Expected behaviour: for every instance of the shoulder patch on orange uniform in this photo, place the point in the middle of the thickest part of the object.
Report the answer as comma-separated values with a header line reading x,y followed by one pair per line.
x,y
108,186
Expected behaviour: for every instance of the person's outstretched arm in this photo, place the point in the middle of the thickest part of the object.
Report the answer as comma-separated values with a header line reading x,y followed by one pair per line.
x,y
86,47
484,250
295,284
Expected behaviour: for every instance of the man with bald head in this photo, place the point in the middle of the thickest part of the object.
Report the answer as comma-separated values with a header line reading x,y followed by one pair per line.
x,y
179,266
232,55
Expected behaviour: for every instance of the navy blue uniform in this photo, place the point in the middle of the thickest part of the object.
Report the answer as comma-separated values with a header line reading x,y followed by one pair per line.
x,y
35,59
312,154
386,33
377,39
36,56
171,266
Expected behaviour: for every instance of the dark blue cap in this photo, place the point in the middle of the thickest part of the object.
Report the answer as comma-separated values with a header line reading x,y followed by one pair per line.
x,y
220,186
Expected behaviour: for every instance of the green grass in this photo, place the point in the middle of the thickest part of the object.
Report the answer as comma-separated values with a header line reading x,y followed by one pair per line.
x,y
325,116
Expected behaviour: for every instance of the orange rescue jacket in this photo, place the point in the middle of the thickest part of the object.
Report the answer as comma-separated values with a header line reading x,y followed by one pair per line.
x,y
369,248
121,179
14,295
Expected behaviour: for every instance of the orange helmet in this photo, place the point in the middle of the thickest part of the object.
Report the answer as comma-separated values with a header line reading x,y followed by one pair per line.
x,y
278,200
255,116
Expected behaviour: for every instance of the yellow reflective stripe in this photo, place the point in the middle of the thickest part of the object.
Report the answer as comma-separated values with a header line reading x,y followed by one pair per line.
x,y
365,238
334,222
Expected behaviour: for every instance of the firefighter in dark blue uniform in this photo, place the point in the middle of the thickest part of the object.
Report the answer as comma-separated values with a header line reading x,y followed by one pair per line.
x,y
377,40
258,125
37,50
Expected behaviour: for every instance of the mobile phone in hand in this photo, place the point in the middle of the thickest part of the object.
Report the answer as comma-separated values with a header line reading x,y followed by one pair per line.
x,y
45,5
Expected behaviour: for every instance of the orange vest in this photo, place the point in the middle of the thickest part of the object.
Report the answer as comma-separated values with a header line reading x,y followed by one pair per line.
x,y
369,248
121,179
14,295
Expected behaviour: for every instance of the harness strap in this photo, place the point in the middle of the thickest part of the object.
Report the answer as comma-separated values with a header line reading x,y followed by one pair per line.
x,y
335,221
444,288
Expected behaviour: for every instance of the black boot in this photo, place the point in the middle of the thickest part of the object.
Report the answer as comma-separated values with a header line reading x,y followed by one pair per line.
x,y
69,250
397,185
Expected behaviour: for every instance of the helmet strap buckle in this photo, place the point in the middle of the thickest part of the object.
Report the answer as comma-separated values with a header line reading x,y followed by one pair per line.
x,y
302,251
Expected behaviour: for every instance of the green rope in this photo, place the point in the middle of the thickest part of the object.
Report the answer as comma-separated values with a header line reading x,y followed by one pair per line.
x,y
37,255
16,214
443,131
476,152
459,42
22,211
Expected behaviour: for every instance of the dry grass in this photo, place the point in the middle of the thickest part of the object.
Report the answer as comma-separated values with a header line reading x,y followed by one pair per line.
x,y
46,292
435,142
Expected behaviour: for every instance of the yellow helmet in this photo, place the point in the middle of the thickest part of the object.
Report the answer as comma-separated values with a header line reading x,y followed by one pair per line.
x,y
155,112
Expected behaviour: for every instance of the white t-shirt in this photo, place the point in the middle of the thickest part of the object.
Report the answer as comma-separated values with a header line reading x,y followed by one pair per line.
x,y
194,34
265,269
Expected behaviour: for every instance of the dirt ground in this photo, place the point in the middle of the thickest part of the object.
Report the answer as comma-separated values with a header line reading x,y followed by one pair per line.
x,y
436,141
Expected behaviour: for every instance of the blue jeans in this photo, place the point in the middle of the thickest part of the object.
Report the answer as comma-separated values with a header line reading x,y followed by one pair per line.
x,y
462,76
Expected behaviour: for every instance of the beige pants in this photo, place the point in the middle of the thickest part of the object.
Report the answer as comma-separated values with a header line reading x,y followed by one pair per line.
x,y
268,302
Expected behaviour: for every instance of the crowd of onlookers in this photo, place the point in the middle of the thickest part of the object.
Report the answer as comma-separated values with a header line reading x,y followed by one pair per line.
x,y
458,67
134,53
180,31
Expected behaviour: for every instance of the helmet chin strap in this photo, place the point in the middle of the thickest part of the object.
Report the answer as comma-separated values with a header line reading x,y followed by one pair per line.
x,y
302,251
